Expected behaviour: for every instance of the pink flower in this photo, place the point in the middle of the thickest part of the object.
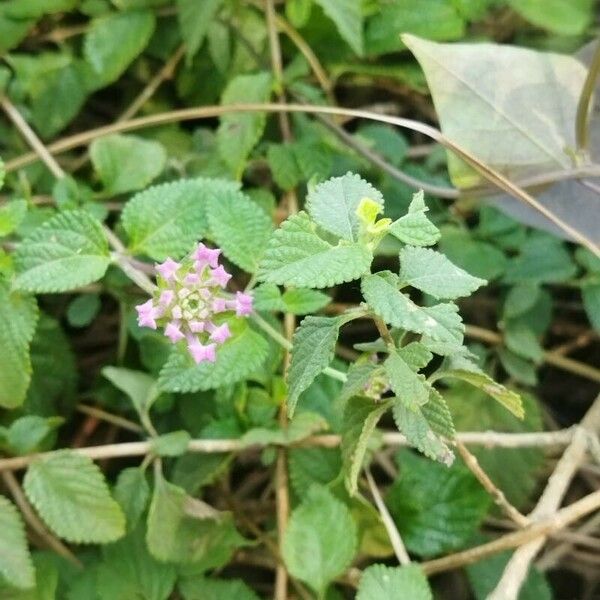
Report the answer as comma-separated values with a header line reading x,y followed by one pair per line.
x,y
190,294
168,269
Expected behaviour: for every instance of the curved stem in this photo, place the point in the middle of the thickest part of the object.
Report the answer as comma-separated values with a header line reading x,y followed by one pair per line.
x,y
582,119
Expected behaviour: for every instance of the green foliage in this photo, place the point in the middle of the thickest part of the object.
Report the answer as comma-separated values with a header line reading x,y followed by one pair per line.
x,y
195,19
132,492
15,561
414,227
126,163
410,388
320,540
67,251
347,16
436,508
297,255
298,301
18,318
393,583
11,215
83,310
313,349
567,17
29,434
69,492
217,589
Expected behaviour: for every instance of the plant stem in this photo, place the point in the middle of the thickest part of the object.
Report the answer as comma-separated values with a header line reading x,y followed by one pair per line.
x,y
582,126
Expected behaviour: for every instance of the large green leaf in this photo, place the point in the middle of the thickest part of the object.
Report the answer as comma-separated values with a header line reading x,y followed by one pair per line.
x,y
15,561
347,16
410,388
70,494
297,256
238,133
298,301
126,163
566,17
167,219
67,251
195,20
237,358
320,540
441,322
108,59
379,582
414,227
18,317
333,203
360,420
436,508
313,349
432,273
240,227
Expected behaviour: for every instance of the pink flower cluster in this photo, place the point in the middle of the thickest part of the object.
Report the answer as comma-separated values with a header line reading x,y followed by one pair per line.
x,y
190,303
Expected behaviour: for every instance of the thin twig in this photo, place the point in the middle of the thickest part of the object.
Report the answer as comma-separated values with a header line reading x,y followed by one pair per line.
x,y
388,522
34,521
582,118
539,530
103,415
487,439
496,493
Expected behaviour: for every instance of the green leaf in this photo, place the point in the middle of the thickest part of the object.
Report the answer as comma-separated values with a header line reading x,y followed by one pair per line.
x,y
411,421
509,399
216,589
65,252
297,256
69,492
313,349
240,227
410,388
12,31
440,322
358,379
139,386
333,203
393,583
31,9
31,433
414,227
15,562
520,299
523,341
360,420
126,163
436,508
174,443
347,16
83,309
11,215
432,273
320,540
108,59
438,415
301,426
283,165
127,571
473,411
195,20
167,219
299,301
46,581
185,530
238,133
464,80
431,19
565,17
18,318
132,492
313,465
237,359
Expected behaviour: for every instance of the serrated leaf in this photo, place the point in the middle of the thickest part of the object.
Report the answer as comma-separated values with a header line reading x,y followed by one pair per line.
x,y
313,465
167,219
301,426
32,433
132,492
509,399
237,359
333,203
440,322
301,301
69,492
437,509
174,443
109,59
347,16
67,251
360,420
410,387
358,378
415,228
415,355
438,415
393,583
432,273
11,214
297,256
411,421
185,530
283,165
195,20
126,163
15,561
320,540
313,349
238,133
240,227
18,318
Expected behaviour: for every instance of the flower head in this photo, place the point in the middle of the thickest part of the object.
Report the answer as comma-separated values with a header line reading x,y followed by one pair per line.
x,y
191,303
